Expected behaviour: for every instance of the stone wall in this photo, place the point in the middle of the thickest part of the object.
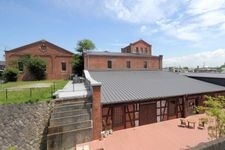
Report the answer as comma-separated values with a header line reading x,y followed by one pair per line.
x,y
218,144
24,126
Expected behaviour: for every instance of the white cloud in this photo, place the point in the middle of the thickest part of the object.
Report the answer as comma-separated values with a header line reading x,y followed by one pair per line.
x,y
222,27
176,29
201,19
206,13
190,20
143,29
140,11
211,18
147,30
209,58
202,6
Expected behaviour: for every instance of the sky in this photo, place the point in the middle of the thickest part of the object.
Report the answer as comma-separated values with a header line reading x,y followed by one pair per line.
x,y
186,32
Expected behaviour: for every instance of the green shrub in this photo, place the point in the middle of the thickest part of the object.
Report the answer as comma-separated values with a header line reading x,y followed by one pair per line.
x,y
37,67
11,74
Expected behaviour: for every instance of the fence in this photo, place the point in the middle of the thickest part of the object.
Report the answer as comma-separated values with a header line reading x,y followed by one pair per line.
x,y
14,95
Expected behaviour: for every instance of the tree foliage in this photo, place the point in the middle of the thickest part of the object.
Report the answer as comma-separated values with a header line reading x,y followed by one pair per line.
x,y
78,63
221,68
37,67
84,45
214,107
34,66
10,74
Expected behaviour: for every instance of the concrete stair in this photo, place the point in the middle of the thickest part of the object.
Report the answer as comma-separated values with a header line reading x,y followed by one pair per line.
x,y
72,107
70,124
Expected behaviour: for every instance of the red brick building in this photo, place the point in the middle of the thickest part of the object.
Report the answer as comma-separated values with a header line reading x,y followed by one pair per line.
x,y
138,47
136,56
129,89
58,60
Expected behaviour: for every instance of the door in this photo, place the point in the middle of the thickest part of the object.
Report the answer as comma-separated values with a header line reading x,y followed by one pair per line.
x,y
172,109
147,113
118,119
191,106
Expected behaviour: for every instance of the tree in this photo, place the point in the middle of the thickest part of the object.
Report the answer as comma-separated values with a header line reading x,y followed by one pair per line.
x,y
78,63
214,107
84,45
221,68
37,67
34,66
10,74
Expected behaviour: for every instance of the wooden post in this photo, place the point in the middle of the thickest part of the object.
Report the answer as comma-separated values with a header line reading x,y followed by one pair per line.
x,y
6,94
30,92
184,99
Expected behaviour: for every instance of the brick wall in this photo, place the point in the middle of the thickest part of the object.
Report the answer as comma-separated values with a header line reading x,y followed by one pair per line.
x,y
96,112
53,57
99,62
142,46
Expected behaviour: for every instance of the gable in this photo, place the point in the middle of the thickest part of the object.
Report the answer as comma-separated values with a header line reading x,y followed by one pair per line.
x,y
41,48
142,42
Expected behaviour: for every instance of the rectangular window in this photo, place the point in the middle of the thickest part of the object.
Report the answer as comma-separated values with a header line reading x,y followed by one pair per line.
x,y
109,64
128,64
137,51
20,66
145,65
63,66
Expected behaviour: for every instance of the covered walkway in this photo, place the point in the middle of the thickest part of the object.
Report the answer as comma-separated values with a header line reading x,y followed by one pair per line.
x,y
77,90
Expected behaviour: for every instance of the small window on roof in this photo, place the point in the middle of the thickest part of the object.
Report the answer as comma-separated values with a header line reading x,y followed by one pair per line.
x,y
109,64
137,51
141,50
146,51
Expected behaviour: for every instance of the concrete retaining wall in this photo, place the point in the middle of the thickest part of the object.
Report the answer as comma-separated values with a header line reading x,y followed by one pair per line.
x,y
66,140
218,144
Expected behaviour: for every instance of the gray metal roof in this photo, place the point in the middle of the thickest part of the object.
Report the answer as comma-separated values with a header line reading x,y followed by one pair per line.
x,y
106,53
205,75
124,86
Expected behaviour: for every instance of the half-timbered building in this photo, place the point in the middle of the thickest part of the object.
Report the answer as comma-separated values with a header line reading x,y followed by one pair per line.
x,y
125,97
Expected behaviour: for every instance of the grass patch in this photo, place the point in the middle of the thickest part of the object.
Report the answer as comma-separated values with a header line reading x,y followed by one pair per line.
x,y
29,91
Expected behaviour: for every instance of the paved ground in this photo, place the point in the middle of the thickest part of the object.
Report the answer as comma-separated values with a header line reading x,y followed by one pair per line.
x,y
77,90
158,136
